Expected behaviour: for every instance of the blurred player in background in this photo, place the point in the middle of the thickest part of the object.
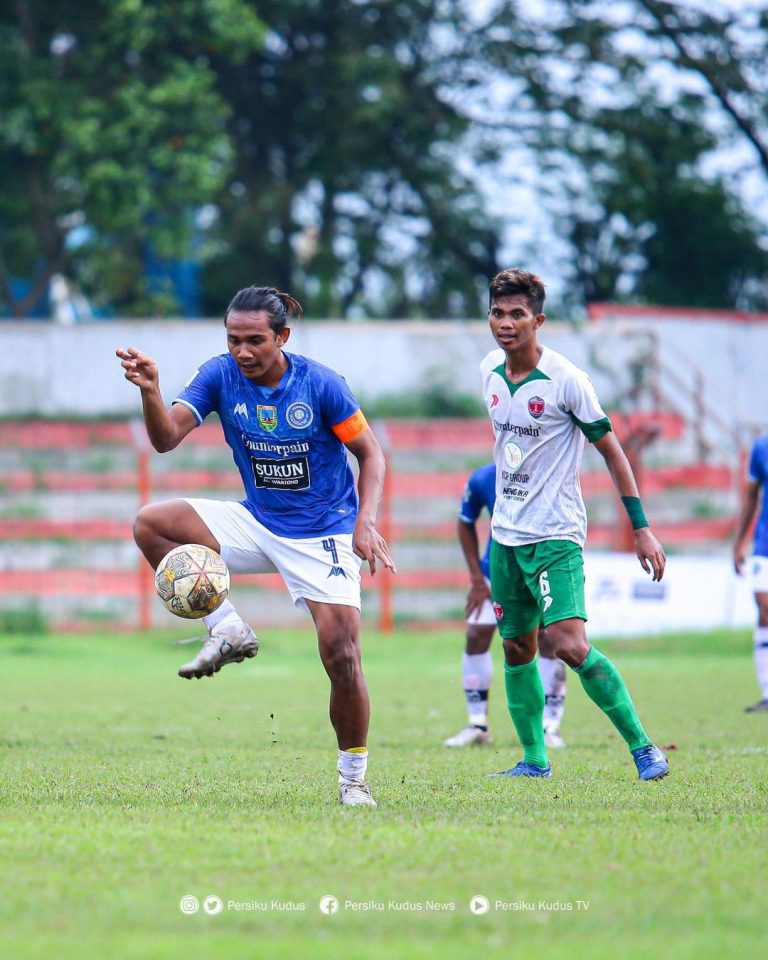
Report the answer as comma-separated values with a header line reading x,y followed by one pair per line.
x,y
757,483
289,422
477,664
542,407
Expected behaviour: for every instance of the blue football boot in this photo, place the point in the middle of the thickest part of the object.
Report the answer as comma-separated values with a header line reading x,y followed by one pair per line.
x,y
524,769
650,762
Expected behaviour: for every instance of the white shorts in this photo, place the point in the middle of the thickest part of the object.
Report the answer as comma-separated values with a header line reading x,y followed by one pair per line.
x,y
758,569
484,615
316,568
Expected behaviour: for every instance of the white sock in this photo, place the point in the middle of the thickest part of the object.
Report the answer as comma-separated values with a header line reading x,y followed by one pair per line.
x,y
219,614
352,764
761,659
477,673
552,673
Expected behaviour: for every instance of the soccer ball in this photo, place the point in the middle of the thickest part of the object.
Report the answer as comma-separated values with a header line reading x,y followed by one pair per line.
x,y
192,581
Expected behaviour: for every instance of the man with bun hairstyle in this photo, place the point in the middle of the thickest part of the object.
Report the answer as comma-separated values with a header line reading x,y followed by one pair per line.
x,y
289,422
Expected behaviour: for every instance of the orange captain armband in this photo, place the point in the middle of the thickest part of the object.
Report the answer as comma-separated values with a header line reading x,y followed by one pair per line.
x,y
351,428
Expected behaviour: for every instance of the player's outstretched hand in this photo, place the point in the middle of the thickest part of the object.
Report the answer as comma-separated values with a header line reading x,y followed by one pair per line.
x,y
139,368
479,592
739,558
369,545
650,553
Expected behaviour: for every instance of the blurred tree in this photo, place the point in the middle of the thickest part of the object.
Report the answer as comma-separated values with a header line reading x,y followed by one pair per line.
x,y
349,187
621,140
728,51
357,152
111,131
646,225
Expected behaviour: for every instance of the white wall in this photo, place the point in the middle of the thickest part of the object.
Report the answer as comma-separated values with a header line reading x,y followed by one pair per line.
x,y
58,370
697,593
72,370
731,355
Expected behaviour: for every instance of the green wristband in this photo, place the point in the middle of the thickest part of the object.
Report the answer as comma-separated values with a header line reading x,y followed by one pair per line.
x,y
635,512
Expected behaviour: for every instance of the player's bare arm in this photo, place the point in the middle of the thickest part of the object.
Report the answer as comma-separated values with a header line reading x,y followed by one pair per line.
x,y
478,588
747,515
648,549
367,542
165,428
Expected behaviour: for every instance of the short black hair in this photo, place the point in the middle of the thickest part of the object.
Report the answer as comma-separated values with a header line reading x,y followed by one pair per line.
x,y
278,306
516,281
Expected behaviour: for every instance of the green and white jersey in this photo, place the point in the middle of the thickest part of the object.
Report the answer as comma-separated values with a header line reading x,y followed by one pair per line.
x,y
540,425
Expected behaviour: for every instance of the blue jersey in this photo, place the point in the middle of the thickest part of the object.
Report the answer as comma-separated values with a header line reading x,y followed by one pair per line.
x,y
758,472
479,493
294,468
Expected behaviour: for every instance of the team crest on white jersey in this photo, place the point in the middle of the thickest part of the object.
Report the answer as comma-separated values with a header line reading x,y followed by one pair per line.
x,y
241,409
299,415
267,417
513,455
536,407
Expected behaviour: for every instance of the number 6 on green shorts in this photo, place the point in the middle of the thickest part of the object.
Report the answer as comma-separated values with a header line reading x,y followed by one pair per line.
x,y
536,583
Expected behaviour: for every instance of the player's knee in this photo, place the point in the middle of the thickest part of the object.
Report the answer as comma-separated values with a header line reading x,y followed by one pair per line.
x,y
572,650
567,641
478,639
143,528
341,657
517,652
148,529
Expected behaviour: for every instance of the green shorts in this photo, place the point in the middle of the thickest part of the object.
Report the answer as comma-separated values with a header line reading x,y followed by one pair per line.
x,y
536,584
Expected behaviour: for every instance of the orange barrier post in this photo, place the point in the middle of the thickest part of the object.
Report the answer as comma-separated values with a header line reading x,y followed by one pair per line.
x,y
145,579
146,584
386,619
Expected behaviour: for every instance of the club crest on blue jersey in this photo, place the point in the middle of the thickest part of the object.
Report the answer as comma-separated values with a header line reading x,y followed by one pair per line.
x,y
536,407
298,481
299,415
267,417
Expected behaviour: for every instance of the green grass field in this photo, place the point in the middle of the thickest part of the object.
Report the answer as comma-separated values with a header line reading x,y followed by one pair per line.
x,y
125,788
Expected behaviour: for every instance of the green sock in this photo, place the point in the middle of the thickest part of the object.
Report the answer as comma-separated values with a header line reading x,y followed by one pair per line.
x,y
525,701
604,685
